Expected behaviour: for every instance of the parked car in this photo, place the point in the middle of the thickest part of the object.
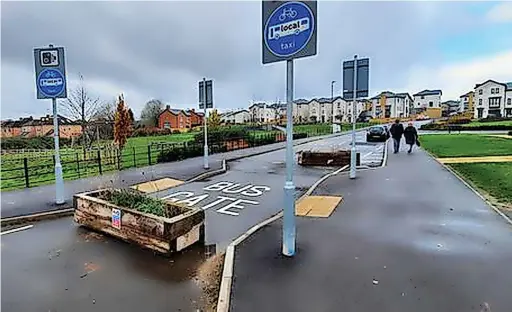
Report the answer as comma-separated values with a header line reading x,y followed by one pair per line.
x,y
377,134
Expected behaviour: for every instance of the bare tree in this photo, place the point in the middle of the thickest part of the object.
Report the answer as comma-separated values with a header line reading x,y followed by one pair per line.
x,y
82,107
150,112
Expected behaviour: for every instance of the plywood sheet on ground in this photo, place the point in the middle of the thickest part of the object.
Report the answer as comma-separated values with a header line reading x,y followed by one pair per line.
x,y
468,160
157,185
317,206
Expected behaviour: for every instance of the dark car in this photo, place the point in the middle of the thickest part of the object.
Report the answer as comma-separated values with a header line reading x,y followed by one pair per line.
x,y
377,134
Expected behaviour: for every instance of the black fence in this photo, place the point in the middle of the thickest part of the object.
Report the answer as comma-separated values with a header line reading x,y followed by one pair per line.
x,y
23,172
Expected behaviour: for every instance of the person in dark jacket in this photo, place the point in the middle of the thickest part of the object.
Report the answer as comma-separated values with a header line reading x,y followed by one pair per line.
x,y
397,129
411,136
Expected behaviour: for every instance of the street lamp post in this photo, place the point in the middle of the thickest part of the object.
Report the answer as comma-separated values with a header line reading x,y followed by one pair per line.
x,y
332,101
352,174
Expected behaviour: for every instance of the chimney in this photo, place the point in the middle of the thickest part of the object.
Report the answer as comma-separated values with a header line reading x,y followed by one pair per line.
x,y
193,110
168,107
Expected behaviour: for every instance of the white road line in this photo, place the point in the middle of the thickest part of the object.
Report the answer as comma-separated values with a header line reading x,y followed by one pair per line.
x,y
17,229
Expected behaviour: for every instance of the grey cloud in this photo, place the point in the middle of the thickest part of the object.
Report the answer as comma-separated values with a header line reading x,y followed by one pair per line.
x,y
163,48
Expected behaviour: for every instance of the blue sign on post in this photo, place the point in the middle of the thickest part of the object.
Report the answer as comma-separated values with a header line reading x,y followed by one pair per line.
x,y
51,82
289,30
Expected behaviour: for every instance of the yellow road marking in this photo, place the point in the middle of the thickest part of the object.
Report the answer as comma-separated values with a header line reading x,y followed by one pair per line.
x,y
317,206
482,159
157,185
503,136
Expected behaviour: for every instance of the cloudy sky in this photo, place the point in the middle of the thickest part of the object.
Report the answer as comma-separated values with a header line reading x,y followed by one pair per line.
x,y
161,49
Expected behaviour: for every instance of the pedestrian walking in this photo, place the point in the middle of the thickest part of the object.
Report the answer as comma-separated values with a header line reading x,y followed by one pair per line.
x,y
411,136
397,129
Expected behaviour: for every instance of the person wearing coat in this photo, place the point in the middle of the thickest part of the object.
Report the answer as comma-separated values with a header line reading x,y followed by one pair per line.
x,y
411,136
397,129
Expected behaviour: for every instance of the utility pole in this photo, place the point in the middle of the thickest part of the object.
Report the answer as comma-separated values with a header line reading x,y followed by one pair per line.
x,y
352,174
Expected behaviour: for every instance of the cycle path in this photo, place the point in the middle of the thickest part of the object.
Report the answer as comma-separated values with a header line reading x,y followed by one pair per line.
x,y
407,237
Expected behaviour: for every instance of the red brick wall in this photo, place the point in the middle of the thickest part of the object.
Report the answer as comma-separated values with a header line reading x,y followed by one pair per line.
x,y
167,116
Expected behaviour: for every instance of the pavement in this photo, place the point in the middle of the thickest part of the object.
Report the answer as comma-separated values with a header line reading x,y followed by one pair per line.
x,y
58,266
406,237
42,198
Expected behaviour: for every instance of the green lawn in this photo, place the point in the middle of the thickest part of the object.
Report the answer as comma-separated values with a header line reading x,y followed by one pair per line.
x,y
460,145
489,123
493,178
325,128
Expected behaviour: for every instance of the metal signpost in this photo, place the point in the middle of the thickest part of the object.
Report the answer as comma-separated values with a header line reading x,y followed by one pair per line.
x,y
205,93
50,69
289,31
355,85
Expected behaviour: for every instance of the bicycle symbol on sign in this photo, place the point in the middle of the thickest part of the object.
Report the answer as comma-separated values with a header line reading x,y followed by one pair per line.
x,y
291,13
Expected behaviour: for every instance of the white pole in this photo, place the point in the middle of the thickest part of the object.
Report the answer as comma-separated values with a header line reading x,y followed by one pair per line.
x,y
332,104
353,150
289,188
205,160
59,181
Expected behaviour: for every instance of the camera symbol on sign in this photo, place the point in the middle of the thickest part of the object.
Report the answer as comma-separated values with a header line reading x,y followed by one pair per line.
x,y
50,58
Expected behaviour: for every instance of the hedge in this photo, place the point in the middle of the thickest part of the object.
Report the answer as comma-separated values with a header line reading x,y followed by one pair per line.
x,y
32,143
434,126
221,135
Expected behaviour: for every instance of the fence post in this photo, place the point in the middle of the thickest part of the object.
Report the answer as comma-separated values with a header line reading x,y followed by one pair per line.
x,y
99,162
78,165
149,155
134,161
25,167
119,157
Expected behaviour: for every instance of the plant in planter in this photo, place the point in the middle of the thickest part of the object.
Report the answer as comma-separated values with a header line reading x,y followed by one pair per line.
x,y
132,216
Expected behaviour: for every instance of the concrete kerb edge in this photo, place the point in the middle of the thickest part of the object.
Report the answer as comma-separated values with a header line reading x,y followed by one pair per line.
x,y
37,216
385,158
229,257
469,186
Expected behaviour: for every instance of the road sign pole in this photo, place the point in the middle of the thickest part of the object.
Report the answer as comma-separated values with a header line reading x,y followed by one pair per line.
x,y
59,182
289,188
205,160
332,110
354,107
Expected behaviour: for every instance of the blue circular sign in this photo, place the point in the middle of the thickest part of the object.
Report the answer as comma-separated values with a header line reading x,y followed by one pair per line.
x,y
289,29
50,82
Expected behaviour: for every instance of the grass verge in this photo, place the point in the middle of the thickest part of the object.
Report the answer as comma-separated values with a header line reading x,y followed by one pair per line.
x,y
466,145
209,277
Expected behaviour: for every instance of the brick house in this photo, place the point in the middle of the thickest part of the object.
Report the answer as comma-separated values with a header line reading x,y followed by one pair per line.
x,y
30,127
177,119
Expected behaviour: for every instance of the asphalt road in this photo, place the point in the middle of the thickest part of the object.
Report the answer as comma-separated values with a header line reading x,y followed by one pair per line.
x,y
252,189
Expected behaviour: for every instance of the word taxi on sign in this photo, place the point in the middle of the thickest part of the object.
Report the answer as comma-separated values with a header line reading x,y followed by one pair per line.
x,y
229,204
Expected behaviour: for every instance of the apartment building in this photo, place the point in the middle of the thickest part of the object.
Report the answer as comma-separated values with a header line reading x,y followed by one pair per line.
x,y
427,99
30,127
178,119
449,108
493,98
391,105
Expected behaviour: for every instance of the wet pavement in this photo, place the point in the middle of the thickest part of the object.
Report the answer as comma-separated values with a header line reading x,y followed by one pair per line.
x,y
407,237
58,266
252,189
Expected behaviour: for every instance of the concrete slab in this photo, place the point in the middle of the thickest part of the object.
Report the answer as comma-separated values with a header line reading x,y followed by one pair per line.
x,y
317,206
57,266
157,185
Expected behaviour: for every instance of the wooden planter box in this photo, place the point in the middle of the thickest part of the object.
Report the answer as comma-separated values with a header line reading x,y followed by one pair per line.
x,y
337,159
164,235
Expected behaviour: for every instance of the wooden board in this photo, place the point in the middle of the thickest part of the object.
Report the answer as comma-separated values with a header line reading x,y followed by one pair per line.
x,y
337,159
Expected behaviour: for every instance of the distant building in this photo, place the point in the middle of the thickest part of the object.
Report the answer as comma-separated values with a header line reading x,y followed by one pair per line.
x,y
427,99
237,117
179,119
493,98
391,105
467,102
29,127
450,108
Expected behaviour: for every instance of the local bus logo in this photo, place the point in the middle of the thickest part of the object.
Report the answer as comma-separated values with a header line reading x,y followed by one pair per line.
x,y
289,28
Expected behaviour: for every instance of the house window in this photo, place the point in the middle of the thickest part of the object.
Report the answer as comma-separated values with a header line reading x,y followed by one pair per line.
x,y
167,125
479,101
494,102
492,90
480,91
497,90
422,97
431,104
509,101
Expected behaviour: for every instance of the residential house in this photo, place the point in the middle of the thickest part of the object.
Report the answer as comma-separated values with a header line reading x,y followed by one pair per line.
x,y
261,112
237,117
301,110
467,102
178,119
391,105
493,98
450,108
427,99
30,127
